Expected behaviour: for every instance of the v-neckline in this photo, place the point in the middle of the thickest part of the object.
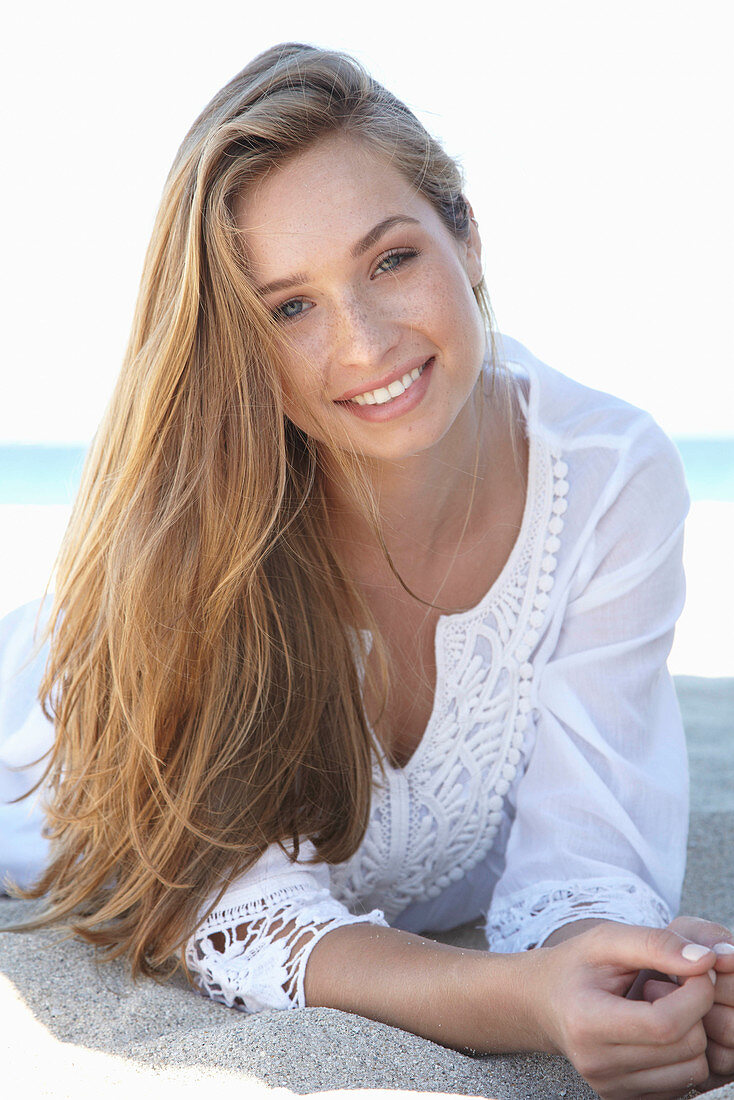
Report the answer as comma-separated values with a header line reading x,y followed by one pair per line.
x,y
528,409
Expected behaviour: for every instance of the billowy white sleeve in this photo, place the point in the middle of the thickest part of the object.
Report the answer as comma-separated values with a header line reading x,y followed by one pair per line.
x,y
602,811
251,952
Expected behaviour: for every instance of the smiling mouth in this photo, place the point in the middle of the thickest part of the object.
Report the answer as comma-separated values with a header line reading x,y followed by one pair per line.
x,y
385,394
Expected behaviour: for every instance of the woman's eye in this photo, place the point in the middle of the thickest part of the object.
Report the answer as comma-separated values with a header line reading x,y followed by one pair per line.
x,y
396,258
294,307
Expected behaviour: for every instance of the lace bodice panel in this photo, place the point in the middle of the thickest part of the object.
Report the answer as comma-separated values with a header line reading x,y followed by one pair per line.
x,y
435,819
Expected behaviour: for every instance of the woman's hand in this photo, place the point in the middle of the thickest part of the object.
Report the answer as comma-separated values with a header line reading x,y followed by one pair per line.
x,y
627,1049
719,1020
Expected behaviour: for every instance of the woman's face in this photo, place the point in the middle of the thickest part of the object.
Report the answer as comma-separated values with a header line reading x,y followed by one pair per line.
x,y
383,338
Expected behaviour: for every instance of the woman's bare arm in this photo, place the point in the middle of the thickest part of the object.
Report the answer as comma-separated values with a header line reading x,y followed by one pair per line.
x,y
466,999
568,999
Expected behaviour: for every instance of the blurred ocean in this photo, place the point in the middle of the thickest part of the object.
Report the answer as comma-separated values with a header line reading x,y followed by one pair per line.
x,y
31,474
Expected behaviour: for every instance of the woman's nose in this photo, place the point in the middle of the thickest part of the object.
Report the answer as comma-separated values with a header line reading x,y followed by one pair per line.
x,y
363,331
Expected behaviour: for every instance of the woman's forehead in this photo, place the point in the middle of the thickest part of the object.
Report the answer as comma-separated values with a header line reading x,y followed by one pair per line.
x,y
336,164
332,194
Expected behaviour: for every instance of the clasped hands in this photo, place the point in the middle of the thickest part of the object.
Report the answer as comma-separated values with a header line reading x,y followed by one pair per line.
x,y
718,1022
643,1012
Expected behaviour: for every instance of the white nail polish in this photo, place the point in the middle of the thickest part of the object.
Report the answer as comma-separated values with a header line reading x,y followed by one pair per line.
x,y
724,948
694,951
712,976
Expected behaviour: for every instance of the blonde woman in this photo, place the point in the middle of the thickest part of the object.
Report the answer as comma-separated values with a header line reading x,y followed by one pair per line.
x,y
361,624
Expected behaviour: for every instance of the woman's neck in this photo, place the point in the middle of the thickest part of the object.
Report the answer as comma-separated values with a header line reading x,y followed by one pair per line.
x,y
432,504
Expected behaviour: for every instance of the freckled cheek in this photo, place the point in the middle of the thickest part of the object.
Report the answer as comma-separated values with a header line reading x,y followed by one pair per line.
x,y
446,303
462,317
445,323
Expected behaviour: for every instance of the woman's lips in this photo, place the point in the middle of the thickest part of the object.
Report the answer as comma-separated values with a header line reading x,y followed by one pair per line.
x,y
397,406
387,380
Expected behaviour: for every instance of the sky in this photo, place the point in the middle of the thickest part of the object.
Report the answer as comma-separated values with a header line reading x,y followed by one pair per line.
x,y
595,137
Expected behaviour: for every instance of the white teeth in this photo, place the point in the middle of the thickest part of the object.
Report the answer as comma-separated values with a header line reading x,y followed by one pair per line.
x,y
386,393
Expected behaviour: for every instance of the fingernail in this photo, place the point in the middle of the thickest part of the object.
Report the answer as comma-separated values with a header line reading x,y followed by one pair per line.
x,y
694,951
724,948
712,976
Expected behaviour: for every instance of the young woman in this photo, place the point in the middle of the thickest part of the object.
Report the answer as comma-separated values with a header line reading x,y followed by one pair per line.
x,y
361,625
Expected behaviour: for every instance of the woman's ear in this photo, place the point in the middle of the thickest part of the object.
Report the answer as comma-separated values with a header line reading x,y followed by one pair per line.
x,y
473,250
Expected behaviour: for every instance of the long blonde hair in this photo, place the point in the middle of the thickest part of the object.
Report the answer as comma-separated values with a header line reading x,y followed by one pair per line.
x,y
203,664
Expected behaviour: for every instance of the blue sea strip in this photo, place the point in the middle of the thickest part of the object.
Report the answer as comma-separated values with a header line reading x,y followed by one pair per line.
x,y
33,474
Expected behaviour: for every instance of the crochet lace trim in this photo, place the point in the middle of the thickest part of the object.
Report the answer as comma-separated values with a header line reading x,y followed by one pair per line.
x,y
437,818
531,915
253,956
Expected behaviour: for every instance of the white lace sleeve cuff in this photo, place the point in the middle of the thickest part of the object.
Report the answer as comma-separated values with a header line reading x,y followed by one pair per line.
x,y
525,919
242,956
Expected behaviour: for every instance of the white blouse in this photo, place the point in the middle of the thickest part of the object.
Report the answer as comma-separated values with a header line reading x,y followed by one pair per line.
x,y
551,782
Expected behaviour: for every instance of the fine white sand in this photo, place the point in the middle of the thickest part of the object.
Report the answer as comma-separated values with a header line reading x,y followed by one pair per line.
x,y
703,646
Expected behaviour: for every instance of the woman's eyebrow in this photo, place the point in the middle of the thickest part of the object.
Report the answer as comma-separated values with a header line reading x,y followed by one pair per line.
x,y
382,227
282,284
357,250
